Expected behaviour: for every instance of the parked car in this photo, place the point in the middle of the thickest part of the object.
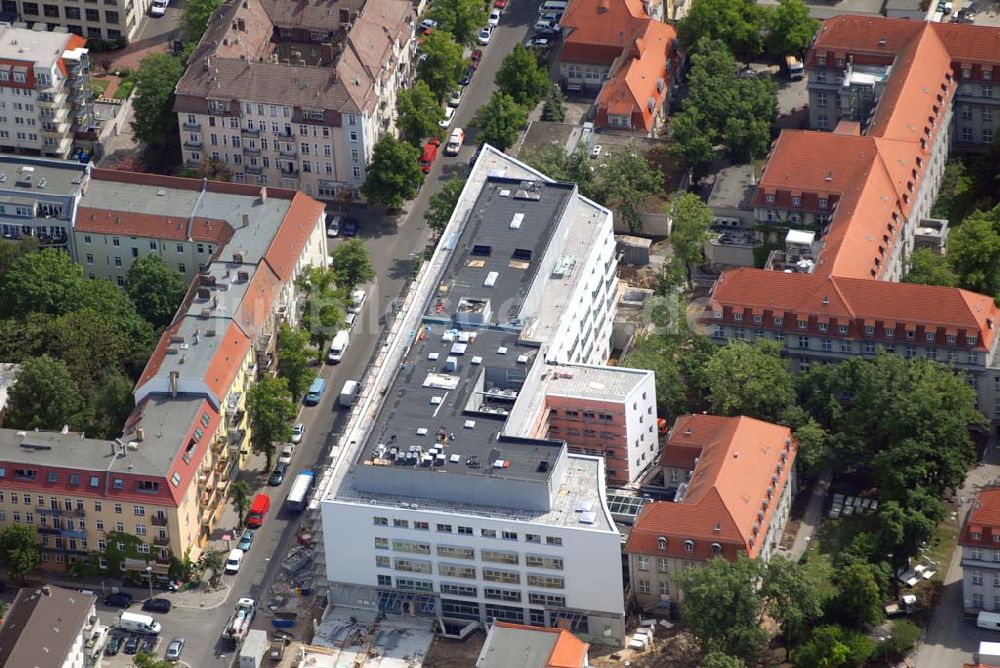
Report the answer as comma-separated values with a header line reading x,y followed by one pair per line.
x,y
246,540
349,227
500,4
547,28
277,475
476,58
162,605
467,78
357,301
542,43
333,227
120,599
297,432
449,114
132,644
286,454
494,19
427,25
485,34
455,98
158,8
174,649
114,645
147,643
350,319
233,562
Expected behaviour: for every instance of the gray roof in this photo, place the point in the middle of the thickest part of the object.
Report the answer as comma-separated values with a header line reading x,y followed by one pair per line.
x,y
522,647
49,176
41,47
42,626
310,14
733,187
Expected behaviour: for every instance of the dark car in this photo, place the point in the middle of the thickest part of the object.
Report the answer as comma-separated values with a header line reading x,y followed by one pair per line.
x,y
157,605
348,227
148,643
114,645
477,57
467,78
246,540
277,475
120,599
132,645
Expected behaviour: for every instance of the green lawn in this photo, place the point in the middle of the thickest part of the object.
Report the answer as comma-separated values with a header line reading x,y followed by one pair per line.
x,y
126,87
99,86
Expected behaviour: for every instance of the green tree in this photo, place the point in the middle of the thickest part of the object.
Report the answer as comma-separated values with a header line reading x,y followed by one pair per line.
x,y
194,18
394,173
109,404
521,77
442,204
43,282
929,268
240,494
44,396
461,18
351,265
156,289
722,606
270,409
690,218
149,660
904,526
628,180
834,647
974,252
90,344
212,562
690,140
293,360
324,313
720,660
24,337
790,28
19,551
499,120
11,250
736,23
154,120
442,64
754,380
554,111
813,454
418,113
858,602
792,600
553,161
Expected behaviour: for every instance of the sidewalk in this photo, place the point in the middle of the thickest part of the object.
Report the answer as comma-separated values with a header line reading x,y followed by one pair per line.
x,y
812,517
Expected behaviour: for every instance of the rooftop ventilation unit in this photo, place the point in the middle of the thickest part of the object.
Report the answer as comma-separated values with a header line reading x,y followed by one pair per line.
x,y
529,190
564,265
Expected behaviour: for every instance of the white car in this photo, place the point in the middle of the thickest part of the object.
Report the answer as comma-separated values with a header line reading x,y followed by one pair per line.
x,y
485,34
449,114
158,8
286,454
333,227
357,301
455,99
494,20
350,318
542,43
234,561
298,431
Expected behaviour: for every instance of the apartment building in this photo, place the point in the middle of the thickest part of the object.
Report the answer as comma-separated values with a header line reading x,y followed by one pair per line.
x,y
622,51
39,197
829,319
52,627
296,99
734,497
980,543
45,93
109,20
165,480
463,501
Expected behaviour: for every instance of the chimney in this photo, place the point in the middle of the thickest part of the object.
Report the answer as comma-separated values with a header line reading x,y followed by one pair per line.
x,y
174,376
204,183
140,434
263,194
246,219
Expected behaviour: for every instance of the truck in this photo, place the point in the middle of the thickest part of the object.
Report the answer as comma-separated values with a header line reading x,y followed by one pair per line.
x,y
904,606
338,347
258,510
794,68
136,623
298,497
429,154
349,393
315,392
253,650
455,142
239,623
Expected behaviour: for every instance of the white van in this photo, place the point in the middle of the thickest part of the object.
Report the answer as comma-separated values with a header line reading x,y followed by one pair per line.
x,y
131,621
234,561
349,394
553,7
338,347
988,620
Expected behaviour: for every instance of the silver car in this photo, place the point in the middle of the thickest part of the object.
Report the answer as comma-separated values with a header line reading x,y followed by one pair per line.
x,y
174,649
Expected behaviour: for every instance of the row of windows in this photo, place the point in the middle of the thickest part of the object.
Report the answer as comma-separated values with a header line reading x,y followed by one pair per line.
x,y
72,13
869,330
153,245
74,479
465,572
985,135
491,593
465,530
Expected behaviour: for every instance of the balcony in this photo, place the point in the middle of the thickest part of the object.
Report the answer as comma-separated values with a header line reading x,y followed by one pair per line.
x,y
252,169
251,150
236,437
288,153
250,132
161,542
159,521
191,126
289,173
193,143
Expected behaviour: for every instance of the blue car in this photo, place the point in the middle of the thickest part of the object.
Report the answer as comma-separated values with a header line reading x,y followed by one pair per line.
x,y
348,227
246,540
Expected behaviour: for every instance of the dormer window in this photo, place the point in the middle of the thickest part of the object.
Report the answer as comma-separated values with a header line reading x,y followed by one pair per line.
x,y
758,318
770,198
840,61
966,73
717,315
689,546
737,316
716,549
823,202
951,338
910,334
971,340
821,61
796,200
803,324
661,543
930,337
778,320
890,332
869,330
976,535
842,329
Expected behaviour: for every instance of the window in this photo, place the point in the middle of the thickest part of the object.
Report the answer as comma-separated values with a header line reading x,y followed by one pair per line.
x,y
497,594
381,521
498,575
661,543
413,566
499,556
444,528
381,561
423,526
381,543
803,342
509,535
803,324
458,590
535,538
140,529
540,561
401,524
457,571
465,531
689,546
644,586
452,552
643,563
488,533
778,320
842,329
553,540
411,546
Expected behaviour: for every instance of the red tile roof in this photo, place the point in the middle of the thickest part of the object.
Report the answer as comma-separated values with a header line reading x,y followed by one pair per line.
x,y
226,362
984,519
689,435
292,236
857,301
598,31
727,498
568,652
134,224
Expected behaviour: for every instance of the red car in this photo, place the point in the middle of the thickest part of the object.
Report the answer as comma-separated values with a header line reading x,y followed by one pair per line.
x,y
500,4
477,56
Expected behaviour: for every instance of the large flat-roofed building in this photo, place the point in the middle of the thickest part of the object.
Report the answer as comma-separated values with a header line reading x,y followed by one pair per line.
x,y
165,480
464,502
114,21
44,91
52,627
39,198
296,99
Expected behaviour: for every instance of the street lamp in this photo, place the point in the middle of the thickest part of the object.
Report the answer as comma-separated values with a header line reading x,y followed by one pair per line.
x,y
149,577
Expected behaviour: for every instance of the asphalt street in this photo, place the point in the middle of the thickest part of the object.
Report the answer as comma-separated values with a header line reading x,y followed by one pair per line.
x,y
392,242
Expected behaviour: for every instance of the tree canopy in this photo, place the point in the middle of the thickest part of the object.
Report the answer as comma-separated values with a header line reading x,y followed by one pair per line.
x,y
930,268
735,23
858,602
750,379
834,647
790,28
553,161
522,77
974,252
461,18
499,120
270,410
154,119
19,551
690,218
442,62
155,288
351,265
418,112
293,360
627,180
394,173
441,204
194,18
44,396
324,313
